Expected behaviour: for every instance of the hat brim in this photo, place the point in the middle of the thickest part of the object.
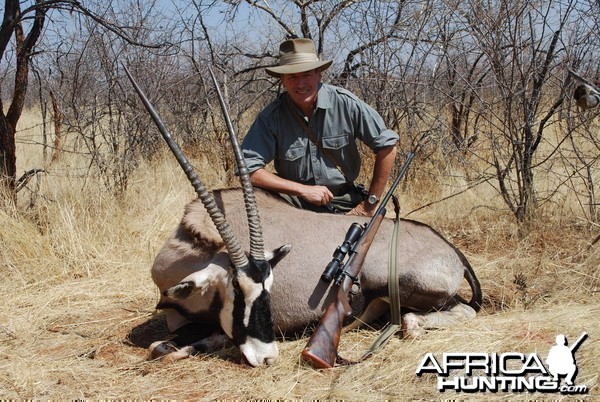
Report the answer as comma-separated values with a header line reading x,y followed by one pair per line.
x,y
278,71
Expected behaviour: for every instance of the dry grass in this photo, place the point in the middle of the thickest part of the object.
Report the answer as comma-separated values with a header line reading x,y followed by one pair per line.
x,y
78,302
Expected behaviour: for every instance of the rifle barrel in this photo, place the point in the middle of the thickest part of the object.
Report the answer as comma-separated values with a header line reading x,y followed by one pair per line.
x,y
579,341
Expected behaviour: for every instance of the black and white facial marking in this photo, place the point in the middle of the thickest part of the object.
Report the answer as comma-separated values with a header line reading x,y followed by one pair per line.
x,y
246,316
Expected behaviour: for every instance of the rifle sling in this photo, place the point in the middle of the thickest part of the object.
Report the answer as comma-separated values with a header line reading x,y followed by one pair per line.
x,y
394,294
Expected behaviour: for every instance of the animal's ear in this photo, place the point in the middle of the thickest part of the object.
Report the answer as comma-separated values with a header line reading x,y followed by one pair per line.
x,y
277,255
198,281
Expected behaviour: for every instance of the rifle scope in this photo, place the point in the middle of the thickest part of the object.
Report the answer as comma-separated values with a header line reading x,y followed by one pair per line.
x,y
340,252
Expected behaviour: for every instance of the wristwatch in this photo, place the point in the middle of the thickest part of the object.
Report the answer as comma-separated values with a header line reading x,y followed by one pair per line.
x,y
372,199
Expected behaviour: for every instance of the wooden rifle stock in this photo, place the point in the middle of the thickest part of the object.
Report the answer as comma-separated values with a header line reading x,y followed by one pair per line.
x,y
321,349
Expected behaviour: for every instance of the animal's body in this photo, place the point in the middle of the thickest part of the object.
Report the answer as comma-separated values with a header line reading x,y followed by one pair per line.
x,y
191,268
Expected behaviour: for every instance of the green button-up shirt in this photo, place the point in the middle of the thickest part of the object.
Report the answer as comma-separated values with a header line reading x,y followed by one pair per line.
x,y
339,121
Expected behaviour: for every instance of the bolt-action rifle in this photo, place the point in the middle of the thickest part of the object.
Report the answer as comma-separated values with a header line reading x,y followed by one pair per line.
x,y
321,349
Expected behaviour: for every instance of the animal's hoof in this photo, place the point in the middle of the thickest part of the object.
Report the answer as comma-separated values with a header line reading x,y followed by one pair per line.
x,y
165,350
159,349
412,326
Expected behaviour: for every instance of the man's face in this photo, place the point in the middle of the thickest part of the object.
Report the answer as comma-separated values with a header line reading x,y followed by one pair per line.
x,y
303,88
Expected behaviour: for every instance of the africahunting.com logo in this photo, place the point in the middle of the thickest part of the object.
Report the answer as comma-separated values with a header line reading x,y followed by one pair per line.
x,y
507,372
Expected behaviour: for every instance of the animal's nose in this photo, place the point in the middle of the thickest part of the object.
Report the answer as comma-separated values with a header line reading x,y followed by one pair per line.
x,y
256,361
269,361
260,353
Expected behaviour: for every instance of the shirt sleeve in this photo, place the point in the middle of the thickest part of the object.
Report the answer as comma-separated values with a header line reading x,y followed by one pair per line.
x,y
259,144
371,128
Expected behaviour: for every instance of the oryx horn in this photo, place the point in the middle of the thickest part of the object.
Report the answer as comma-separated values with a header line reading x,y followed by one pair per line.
x,y
256,236
238,258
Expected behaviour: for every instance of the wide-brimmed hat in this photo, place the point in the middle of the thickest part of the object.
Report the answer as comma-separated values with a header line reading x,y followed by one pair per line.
x,y
297,56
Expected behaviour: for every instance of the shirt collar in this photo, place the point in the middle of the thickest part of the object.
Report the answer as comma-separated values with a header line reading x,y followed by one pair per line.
x,y
323,97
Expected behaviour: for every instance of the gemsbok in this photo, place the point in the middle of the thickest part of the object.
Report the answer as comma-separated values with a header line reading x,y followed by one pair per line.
x,y
209,298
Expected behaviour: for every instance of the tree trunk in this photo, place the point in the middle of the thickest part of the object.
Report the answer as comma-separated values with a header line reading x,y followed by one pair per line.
x,y
12,24
8,158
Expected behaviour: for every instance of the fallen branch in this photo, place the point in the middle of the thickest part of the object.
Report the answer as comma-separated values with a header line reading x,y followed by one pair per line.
x,y
23,180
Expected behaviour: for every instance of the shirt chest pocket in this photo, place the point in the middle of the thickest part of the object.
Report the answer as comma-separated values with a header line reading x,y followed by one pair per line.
x,y
294,152
335,142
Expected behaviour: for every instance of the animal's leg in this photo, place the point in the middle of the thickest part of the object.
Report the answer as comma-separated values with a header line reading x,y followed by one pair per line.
x,y
188,339
374,310
415,324
162,349
169,351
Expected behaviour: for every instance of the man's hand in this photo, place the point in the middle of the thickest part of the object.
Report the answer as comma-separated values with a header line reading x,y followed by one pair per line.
x,y
363,209
318,195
